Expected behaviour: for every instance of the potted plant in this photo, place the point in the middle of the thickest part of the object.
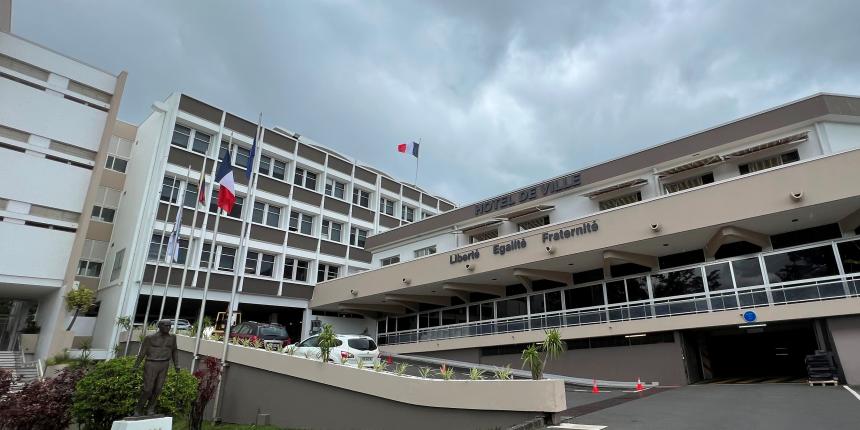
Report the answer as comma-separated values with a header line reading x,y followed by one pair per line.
x,y
29,337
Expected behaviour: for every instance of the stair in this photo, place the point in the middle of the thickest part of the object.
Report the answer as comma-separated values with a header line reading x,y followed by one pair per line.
x,y
22,372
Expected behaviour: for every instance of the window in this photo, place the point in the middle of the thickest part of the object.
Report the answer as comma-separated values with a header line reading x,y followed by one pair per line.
x,y
305,178
407,213
92,269
295,270
532,223
487,235
259,264
390,260
117,264
183,135
103,214
157,247
357,236
360,197
205,255
326,272
801,264
849,252
677,283
719,277
425,214
696,181
511,307
237,207
386,206
273,167
169,189
331,230
301,222
242,156
189,200
583,297
425,251
334,188
265,213
227,259
116,164
620,201
767,163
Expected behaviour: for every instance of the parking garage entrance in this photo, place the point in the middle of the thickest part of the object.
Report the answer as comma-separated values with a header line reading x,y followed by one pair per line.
x,y
755,353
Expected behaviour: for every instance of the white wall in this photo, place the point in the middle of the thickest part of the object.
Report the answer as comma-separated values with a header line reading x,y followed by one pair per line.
x,y
842,137
34,252
38,112
349,325
443,241
37,180
44,58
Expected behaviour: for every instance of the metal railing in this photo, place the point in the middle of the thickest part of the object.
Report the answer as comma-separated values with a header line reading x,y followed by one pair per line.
x,y
828,288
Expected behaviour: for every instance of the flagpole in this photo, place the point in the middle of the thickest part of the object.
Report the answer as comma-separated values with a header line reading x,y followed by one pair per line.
x,y
155,272
243,254
172,252
191,255
139,289
212,250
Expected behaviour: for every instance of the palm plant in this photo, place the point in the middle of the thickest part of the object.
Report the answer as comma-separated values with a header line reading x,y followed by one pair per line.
x,y
476,374
401,368
424,371
380,366
446,372
327,341
359,363
531,358
552,347
504,373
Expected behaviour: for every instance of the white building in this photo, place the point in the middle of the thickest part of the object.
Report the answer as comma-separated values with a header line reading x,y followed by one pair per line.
x,y
57,121
312,211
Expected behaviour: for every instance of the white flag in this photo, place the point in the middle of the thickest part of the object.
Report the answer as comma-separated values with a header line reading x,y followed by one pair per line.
x,y
173,243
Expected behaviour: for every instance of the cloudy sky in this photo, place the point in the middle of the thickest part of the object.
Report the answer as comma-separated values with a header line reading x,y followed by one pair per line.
x,y
501,93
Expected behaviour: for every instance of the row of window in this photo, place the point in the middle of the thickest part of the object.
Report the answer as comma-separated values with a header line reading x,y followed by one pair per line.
x,y
720,277
418,253
197,141
256,262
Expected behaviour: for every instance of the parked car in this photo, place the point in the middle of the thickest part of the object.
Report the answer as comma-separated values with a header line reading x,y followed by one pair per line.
x,y
348,346
269,333
183,325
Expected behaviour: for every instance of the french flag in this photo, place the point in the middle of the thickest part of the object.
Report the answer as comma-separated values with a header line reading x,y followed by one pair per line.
x,y
408,148
227,189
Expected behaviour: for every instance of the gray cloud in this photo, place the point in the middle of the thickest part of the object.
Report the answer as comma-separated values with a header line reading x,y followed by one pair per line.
x,y
502,93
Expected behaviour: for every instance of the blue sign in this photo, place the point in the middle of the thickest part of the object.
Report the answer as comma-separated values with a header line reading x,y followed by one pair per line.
x,y
749,316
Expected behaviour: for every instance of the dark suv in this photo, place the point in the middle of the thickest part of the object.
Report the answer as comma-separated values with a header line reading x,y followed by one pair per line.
x,y
266,332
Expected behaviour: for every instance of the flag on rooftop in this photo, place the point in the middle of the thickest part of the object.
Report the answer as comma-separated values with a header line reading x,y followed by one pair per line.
x,y
227,189
408,148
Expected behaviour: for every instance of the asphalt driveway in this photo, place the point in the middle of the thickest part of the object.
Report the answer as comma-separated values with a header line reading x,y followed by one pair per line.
x,y
747,406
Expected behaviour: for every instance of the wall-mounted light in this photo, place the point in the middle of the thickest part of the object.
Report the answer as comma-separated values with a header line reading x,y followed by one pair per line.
x,y
655,227
752,325
636,335
353,292
470,267
550,249
406,281
796,195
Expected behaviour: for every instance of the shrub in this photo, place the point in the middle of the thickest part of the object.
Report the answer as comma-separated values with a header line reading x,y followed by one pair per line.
x,y
476,374
425,371
207,383
504,373
446,372
380,366
110,391
401,368
40,405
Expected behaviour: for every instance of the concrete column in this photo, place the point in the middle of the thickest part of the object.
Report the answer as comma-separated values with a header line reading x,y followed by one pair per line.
x,y
846,341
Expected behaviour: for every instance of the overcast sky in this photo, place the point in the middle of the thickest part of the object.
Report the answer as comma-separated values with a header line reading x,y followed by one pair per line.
x,y
501,94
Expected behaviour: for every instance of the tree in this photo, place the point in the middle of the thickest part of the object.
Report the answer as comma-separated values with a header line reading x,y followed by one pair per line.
x,y
111,388
79,300
327,341
207,383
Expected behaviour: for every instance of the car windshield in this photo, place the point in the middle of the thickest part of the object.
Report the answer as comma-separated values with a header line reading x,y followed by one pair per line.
x,y
362,344
273,330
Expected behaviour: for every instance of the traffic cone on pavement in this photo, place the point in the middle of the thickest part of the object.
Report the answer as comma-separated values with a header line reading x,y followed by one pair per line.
x,y
639,386
594,388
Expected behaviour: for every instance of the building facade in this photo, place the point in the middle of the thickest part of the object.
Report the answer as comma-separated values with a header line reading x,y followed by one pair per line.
x,y
312,212
732,252
57,135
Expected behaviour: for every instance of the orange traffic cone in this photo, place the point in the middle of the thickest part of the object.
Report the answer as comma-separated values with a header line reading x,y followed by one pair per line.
x,y
594,388
639,386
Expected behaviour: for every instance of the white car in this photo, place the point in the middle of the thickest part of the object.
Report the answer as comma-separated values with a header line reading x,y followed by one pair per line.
x,y
182,325
348,346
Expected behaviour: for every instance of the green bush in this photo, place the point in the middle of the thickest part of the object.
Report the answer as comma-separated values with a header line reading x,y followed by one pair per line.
x,y
110,391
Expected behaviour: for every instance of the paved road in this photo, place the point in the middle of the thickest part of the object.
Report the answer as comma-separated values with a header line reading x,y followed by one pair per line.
x,y
755,406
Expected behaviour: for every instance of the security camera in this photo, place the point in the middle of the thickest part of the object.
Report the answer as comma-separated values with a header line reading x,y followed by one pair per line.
x,y
655,227
353,292
550,249
407,281
797,195
470,267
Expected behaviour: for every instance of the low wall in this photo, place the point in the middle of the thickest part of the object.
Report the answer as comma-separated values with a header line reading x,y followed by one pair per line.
x,y
303,393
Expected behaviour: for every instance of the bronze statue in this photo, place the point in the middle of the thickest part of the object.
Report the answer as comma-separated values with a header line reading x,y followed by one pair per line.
x,y
158,349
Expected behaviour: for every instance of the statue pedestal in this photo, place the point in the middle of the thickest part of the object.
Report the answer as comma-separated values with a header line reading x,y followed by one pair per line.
x,y
163,423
